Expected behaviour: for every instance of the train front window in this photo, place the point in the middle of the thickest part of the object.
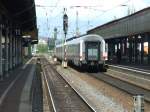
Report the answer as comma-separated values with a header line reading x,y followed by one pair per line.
x,y
92,51
93,54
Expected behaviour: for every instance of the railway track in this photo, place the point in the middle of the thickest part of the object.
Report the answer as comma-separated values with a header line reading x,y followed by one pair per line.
x,y
132,81
123,85
138,78
120,83
62,96
143,73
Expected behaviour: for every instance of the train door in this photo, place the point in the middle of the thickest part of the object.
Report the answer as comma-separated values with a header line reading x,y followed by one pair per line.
x,y
92,51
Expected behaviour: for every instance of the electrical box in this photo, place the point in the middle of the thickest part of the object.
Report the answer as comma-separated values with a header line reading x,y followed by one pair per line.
x,y
138,103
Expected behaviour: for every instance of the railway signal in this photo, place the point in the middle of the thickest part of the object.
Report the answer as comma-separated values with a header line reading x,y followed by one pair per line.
x,y
65,24
65,29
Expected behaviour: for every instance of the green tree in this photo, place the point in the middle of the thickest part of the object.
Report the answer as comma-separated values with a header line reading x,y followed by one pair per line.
x,y
42,48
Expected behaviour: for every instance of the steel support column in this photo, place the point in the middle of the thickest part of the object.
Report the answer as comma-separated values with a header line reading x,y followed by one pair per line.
x,y
14,46
16,49
148,49
29,50
109,51
6,51
1,62
10,50
121,49
112,47
125,50
136,51
117,46
19,50
142,50
125,46
130,50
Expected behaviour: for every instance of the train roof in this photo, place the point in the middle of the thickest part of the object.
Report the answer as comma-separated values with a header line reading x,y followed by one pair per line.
x,y
90,37
69,39
75,40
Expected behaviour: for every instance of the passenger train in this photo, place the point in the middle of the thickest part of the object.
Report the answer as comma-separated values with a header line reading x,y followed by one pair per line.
x,y
86,51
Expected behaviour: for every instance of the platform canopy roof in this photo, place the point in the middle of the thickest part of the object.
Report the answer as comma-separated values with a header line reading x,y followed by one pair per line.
x,y
131,25
23,14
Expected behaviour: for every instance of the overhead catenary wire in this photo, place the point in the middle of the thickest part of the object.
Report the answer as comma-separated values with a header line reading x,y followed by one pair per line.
x,y
104,11
89,7
47,20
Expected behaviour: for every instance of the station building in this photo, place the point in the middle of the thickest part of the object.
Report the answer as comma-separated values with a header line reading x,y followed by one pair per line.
x,y
127,38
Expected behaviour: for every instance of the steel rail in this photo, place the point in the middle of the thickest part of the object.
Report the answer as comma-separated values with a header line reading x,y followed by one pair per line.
x,y
49,90
81,97
132,70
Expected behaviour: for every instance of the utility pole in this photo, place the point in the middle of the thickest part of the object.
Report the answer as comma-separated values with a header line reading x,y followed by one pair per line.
x,y
77,27
131,8
65,29
55,33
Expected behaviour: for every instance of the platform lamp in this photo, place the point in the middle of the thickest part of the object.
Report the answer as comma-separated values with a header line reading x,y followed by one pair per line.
x,y
65,29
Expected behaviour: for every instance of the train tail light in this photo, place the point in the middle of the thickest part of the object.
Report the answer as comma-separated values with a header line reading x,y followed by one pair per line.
x,y
65,58
82,57
105,56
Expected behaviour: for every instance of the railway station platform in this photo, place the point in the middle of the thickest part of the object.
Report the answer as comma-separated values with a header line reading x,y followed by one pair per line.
x,y
15,92
18,32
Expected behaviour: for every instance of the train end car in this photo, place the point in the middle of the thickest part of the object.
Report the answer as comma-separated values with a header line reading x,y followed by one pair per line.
x,y
87,51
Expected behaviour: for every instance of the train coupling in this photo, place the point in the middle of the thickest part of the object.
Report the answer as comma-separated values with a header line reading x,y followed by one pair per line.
x,y
106,66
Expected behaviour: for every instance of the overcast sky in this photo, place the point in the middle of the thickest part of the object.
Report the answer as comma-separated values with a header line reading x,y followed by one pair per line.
x,y
91,13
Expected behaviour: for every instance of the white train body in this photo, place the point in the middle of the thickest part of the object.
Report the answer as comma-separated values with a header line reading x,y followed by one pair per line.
x,y
84,51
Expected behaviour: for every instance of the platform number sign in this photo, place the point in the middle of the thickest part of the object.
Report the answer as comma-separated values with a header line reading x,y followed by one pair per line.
x,y
65,23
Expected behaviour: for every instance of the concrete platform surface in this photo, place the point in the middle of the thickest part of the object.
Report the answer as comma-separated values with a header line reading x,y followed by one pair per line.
x,y
15,90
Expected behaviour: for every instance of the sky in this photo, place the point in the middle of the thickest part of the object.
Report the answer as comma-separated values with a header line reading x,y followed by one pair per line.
x,y
91,13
